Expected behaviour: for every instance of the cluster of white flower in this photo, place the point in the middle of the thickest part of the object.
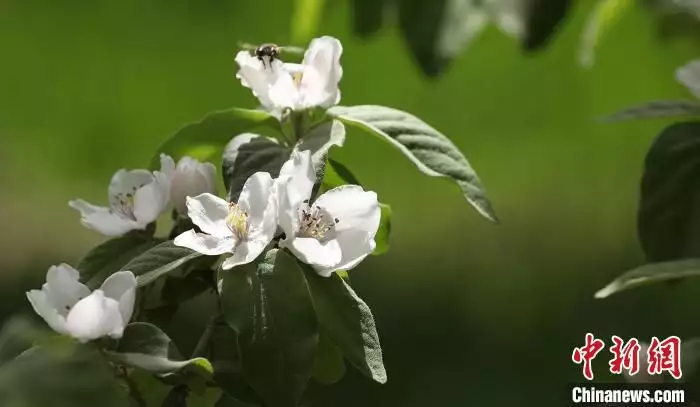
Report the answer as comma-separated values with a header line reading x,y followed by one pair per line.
x,y
335,232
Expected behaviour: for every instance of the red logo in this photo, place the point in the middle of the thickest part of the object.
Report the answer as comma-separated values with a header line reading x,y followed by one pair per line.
x,y
587,353
665,356
662,356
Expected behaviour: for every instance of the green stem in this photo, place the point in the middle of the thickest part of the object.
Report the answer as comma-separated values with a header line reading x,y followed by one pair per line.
x,y
133,389
203,343
298,125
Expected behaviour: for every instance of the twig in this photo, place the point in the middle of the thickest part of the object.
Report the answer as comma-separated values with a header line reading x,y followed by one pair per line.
x,y
133,389
200,348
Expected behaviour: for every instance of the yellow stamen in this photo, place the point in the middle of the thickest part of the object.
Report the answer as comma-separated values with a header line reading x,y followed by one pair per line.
x,y
237,221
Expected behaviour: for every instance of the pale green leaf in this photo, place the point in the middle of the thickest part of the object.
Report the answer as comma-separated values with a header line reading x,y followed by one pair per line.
x,y
651,274
205,139
428,149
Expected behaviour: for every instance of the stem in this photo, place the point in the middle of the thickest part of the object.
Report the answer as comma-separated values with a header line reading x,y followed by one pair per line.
x,y
298,125
133,389
201,347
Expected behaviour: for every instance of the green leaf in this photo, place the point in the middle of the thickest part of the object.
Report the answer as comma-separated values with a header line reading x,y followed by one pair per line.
x,y
436,31
69,375
247,154
651,274
306,18
270,309
329,366
108,257
655,110
147,347
228,375
368,16
203,140
18,334
433,153
541,20
669,209
348,322
159,261
605,14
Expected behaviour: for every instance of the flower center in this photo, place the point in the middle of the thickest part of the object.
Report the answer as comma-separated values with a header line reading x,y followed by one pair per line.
x,y
237,221
315,222
297,78
123,202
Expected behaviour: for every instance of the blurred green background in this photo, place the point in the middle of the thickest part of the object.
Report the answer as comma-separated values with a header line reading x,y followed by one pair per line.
x,y
469,313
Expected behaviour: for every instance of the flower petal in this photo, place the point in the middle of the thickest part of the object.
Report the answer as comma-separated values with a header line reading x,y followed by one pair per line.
x,y
152,199
245,252
258,199
191,178
103,220
355,245
209,212
311,251
272,85
355,208
124,185
121,287
206,244
62,288
319,85
95,316
46,310
294,186
167,165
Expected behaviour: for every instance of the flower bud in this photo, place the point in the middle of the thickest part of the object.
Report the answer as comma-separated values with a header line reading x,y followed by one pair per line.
x,y
191,178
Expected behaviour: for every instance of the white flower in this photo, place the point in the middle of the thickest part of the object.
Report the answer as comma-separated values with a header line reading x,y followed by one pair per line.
x,y
189,178
312,83
243,229
337,231
70,309
136,198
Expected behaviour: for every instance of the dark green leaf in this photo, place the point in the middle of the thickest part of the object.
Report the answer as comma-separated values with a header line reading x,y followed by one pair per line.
x,y
542,18
17,335
159,261
329,366
669,207
270,309
654,110
437,30
204,140
147,347
348,322
650,274
60,374
433,153
108,257
247,154
228,373
368,16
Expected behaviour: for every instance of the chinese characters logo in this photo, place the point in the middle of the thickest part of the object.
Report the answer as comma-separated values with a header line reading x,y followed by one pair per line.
x,y
662,356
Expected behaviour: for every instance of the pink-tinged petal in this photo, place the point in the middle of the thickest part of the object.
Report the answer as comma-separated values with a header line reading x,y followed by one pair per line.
x,y
355,246
319,85
152,199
